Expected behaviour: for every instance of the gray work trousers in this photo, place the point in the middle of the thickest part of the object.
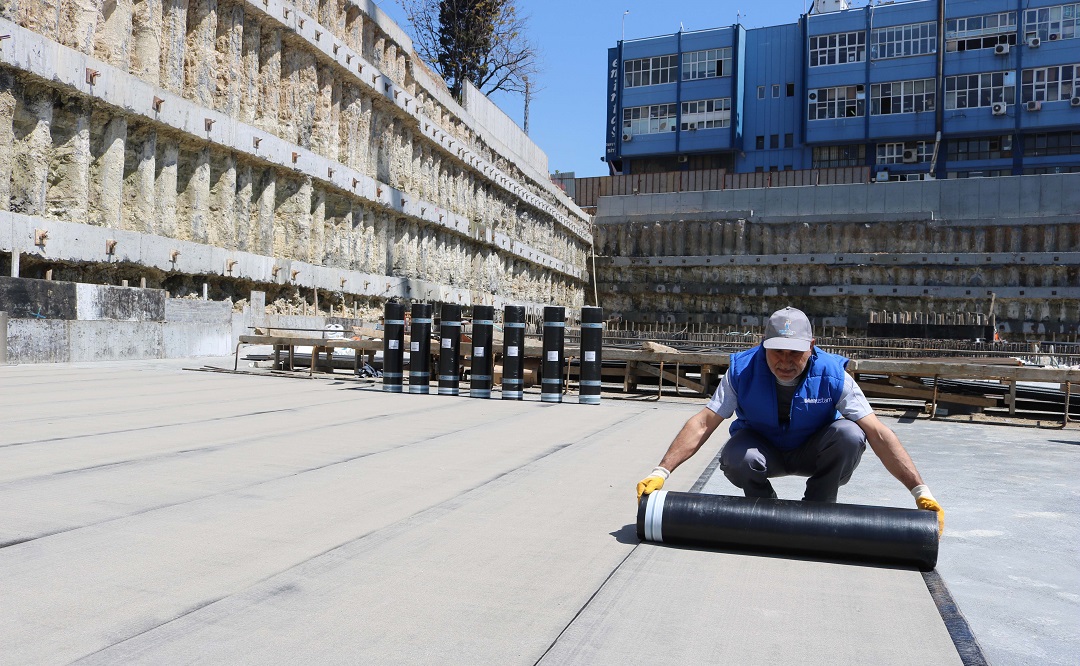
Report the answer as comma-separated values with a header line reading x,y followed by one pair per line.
x,y
828,458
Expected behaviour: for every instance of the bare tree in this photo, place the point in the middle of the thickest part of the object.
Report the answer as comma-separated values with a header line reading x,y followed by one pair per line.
x,y
480,41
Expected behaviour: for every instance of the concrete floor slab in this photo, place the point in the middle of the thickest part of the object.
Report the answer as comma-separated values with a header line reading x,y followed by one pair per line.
x,y
153,515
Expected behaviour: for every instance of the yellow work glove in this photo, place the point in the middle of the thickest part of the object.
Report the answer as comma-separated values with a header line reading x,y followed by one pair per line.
x,y
924,500
654,481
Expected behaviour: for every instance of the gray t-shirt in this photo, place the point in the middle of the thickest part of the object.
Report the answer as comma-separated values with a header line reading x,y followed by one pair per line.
x,y
852,404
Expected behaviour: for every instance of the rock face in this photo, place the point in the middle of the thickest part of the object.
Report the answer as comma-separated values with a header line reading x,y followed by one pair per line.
x,y
306,133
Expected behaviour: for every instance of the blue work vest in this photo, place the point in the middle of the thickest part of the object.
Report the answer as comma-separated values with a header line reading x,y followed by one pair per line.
x,y
813,405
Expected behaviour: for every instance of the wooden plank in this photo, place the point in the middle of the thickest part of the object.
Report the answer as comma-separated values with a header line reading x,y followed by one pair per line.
x,y
875,389
958,370
681,380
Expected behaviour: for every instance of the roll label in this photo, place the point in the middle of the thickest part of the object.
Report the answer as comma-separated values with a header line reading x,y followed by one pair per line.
x,y
392,344
590,356
478,352
415,345
553,356
512,350
447,343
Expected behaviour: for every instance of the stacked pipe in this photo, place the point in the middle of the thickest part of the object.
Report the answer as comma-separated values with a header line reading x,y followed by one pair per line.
x,y
554,335
843,531
592,343
420,349
449,349
481,374
513,352
393,342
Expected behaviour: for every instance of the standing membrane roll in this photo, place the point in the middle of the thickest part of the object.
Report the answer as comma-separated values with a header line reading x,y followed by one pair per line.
x,y
393,341
592,344
420,349
513,352
449,349
480,376
875,534
554,335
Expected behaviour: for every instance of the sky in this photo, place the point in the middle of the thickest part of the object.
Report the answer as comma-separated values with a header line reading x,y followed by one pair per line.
x,y
567,113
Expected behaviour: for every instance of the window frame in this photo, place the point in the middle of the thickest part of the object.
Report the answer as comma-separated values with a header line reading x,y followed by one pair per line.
x,y
1030,91
647,118
987,95
721,119
829,102
694,61
928,97
835,44
1041,21
895,41
664,68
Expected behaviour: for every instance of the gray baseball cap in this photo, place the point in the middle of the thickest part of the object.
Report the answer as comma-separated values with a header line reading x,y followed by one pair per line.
x,y
788,329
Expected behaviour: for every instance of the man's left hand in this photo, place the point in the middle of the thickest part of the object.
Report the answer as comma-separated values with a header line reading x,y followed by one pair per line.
x,y
924,500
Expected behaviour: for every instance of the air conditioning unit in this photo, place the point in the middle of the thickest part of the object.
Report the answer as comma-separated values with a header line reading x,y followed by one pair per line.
x,y
812,96
683,159
626,137
1053,36
1034,42
1075,101
1034,105
1001,49
911,156
999,108
882,176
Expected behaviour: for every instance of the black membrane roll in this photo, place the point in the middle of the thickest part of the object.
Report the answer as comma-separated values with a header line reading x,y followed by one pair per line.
x,y
876,534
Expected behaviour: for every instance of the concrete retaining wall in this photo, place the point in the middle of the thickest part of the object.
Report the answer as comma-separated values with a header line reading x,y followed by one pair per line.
x,y
842,251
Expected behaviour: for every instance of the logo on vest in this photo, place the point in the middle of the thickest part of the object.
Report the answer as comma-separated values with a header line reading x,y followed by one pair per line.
x,y
816,401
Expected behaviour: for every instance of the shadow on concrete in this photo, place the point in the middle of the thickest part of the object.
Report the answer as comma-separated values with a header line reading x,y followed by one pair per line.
x,y
626,534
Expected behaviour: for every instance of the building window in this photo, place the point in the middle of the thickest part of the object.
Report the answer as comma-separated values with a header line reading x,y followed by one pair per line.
x,y
902,97
1052,23
776,91
1050,84
980,32
826,157
983,173
706,114
759,142
1053,143
652,119
981,148
761,92
649,71
706,64
759,169
842,102
789,140
904,153
970,91
791,90
900,41
837,49
774,141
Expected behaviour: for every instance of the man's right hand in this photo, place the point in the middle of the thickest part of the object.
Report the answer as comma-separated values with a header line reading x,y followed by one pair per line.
x,y
654,481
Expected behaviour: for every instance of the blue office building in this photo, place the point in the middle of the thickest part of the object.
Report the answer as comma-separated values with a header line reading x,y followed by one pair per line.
x,y
918,89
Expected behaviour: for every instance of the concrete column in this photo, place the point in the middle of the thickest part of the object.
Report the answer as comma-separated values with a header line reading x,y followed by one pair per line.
x,y
107,169
137,213
269,80
318,249
200,56
31,152
7,136
15,257
230,58
265,213
245,225
354,29
67,193
173,41
194,202
223,219
349,131
167,156
326,113
147,30
248,82
113,36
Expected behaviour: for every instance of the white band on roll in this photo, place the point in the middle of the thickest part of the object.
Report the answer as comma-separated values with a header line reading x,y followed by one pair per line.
x,y
654,516
922,491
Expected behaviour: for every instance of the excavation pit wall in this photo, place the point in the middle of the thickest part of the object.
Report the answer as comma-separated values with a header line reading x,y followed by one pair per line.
x,y
842,251
268,145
